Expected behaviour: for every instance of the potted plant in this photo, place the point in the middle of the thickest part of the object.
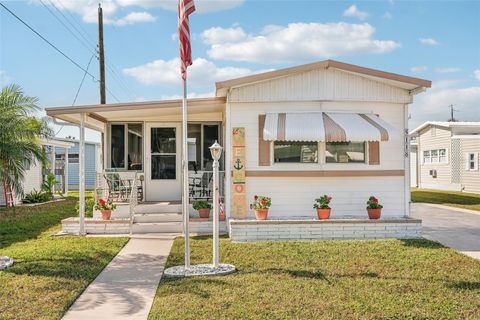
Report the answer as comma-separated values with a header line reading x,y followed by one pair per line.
x,y
105,207
322,206
260,205
203,208
374,208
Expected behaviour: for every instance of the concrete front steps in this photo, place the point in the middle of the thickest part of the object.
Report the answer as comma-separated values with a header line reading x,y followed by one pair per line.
x,y
158,218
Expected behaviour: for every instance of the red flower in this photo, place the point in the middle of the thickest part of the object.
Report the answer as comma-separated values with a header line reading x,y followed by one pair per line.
x,y
263,202
101,201
375,200
255,197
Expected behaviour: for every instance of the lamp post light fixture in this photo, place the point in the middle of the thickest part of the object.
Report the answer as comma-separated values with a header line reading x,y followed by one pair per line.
x,y
216,268
216,151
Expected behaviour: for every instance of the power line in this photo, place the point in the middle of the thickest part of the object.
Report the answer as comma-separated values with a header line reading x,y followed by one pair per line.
x,y
55,48
79,88
48,42
66,27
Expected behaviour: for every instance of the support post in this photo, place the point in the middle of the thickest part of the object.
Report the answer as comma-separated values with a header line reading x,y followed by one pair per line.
x,y
81,173
215,214
406,162
54,163
185,195
101,55
65,172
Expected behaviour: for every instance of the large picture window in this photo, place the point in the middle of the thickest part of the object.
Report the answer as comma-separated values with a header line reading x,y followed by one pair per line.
x,y
297,152
345,152
200,138
126,146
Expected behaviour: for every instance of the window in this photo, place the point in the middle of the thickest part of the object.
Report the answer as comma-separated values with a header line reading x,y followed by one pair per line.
x,y
163,151
442,153
472,161
126,146
345,152
297,152
200,138
426,156
434,156
73,158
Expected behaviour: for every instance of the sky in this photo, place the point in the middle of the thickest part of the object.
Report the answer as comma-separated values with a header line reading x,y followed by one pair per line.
x,y
433,40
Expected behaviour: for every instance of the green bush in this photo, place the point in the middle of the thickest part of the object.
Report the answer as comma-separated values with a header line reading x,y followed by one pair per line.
x,y
201,204
49,184
37,197
89,204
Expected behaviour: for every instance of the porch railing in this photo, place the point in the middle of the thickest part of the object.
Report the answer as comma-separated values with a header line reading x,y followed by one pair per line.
x,y
201,185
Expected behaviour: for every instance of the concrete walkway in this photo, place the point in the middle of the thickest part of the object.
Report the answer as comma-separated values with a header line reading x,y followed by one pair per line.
x,y
126,287
455,228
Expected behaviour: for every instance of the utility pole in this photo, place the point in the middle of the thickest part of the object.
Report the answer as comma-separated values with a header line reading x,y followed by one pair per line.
x,y
452,119
101,55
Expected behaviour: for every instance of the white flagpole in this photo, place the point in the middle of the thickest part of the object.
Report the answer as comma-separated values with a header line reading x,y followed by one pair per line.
x,y
185,196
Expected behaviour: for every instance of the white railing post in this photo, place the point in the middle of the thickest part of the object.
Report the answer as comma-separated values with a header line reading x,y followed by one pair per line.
x,y
133,200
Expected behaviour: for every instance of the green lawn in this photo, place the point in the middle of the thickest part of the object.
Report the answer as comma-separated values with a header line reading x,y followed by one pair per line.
x,y
448,198
50,272
388,279
76,193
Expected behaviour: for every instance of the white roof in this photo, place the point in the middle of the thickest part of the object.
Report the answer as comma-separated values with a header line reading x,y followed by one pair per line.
x,y
57,143
326,126
447,124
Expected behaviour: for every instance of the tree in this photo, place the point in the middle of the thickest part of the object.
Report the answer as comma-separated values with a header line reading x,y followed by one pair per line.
x,y
20,136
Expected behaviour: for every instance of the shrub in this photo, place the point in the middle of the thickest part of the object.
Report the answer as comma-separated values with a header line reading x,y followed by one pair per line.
x,y
49,184
201,204
37,197
89,204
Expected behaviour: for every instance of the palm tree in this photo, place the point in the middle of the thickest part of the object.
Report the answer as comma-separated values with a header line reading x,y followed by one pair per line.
x,y
20,136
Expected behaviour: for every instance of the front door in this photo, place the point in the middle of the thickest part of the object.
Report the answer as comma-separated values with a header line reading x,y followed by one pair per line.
x,y
163,162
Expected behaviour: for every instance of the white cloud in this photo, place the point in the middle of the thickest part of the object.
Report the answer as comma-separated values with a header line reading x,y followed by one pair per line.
x,y
135,17
387,15
202,73
428,41
353,11
202,6
5,79
476,74
433,105
298,42
418,69
220,35
88,9
447,70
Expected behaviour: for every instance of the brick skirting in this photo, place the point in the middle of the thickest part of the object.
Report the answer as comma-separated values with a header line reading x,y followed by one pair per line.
x,y
341,229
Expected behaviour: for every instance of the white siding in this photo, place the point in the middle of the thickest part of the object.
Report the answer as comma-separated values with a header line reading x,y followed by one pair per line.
x,y
295,196
320,84
413,166
470,179
435,138
33,180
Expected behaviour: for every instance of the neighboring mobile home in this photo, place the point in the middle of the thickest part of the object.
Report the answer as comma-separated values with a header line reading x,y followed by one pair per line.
x,y
447,157
93,162
321,128
36,173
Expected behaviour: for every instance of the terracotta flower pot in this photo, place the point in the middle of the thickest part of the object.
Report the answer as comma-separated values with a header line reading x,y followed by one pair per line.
x,y
261,214
106,214
374,213
323,213
204,213
221,216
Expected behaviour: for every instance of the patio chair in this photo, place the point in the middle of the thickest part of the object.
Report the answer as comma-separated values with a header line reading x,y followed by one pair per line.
x,y
117,188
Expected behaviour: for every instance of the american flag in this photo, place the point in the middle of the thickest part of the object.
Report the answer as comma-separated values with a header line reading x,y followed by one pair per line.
x,y
185,8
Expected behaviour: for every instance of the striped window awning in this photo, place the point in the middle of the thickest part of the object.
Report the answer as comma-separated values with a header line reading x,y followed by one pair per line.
x,y
326,126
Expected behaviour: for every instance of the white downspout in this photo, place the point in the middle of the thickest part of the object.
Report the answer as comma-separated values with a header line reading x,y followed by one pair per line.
x,y
81,173
228,157
406,162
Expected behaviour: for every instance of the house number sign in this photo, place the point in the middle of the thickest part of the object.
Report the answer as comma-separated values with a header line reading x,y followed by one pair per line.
x,y
239,201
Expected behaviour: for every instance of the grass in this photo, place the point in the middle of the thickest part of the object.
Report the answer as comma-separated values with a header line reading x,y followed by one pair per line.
x,y
388,279
76,193
448,198
49,272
